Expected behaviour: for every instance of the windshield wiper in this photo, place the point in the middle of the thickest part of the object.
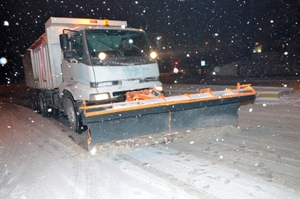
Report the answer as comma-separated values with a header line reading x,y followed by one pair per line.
x,y
136,47
112,47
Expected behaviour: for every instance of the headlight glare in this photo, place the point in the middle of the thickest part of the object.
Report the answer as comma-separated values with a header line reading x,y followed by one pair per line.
x,y
153,55
99,96
159,88
102,56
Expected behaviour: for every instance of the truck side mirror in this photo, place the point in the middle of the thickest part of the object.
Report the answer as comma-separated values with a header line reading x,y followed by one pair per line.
x,y
64,42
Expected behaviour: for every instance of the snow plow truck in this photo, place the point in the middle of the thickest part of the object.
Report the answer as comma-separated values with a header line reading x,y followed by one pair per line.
x,y
104,77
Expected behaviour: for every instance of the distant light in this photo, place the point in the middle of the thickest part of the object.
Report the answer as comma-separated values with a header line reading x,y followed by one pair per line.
x,y
175,71
123,26
188,55
257,49
285,53
202,63
271,21
3,61
216,34
6,23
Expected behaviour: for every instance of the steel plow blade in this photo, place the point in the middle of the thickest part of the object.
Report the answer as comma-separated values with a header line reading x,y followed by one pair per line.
x,y
133,119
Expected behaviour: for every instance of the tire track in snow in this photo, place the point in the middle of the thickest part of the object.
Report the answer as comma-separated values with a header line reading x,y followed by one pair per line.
x,y
41,142
6,149
196,193
75,190
20,160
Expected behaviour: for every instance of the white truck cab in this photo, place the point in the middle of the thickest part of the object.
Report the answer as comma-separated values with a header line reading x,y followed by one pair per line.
x,y
104,62
91,60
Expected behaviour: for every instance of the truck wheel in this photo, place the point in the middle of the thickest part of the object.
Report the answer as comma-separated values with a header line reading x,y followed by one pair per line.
x,y
54,112
43,107
36,104
73,115
35,101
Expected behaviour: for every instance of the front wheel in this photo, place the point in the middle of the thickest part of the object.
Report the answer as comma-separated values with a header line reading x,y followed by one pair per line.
x,y
73,115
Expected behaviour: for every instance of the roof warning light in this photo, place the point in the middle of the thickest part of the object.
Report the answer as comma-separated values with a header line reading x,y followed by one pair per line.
x,y
106,22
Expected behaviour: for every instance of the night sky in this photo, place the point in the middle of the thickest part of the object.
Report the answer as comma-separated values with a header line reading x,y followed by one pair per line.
x,y
182,23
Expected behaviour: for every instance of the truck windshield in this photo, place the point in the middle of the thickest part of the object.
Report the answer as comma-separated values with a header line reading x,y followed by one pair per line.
x,y
117,42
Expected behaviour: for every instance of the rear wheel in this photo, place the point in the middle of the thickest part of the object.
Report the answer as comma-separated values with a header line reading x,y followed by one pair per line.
x,y
36,103
54,112
43,107
73,115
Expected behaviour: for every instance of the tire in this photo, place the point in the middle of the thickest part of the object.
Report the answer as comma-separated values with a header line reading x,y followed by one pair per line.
x,y
36,104
73,115
43,107
55,112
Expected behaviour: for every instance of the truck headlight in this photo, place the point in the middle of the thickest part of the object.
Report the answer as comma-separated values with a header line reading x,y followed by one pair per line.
x,y
153,55
99,96
159,88
102,56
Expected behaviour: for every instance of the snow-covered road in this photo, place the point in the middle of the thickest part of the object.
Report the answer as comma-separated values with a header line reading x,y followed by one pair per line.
x,y
258,159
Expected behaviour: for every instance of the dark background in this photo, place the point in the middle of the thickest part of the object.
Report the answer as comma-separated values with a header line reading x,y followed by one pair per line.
x,y
183,24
